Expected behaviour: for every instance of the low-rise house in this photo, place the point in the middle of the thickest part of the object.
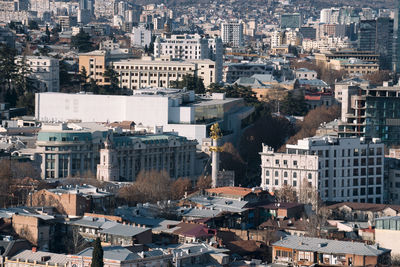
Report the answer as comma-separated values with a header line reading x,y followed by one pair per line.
x,y
284,210
199,255
192,232
125,235
118,256
307,251
238,193
9,247
111,232
352,211
306,74
34,227
34,258
74,200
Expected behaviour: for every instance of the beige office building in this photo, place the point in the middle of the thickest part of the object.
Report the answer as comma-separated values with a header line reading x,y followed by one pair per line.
x,y
160,72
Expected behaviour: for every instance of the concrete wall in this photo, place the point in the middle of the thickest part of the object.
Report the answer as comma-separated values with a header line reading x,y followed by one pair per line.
x,y
388,239
147,110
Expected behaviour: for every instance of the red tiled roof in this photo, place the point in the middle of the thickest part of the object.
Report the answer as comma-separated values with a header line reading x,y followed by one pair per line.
x,y
230,190
194,230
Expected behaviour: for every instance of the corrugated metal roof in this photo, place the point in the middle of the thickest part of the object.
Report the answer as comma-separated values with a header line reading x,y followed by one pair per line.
x,y
329,246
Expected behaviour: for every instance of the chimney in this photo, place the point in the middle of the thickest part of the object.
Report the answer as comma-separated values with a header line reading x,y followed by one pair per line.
x,y
34,249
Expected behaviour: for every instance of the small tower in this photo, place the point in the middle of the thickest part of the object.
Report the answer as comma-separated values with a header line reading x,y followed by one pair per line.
x,y
108,169
215,149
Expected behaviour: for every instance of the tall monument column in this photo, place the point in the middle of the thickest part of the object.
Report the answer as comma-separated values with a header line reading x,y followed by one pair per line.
x,y
215,149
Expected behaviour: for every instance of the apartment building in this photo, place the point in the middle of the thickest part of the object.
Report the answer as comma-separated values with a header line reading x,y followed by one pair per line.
x,y
160,72
370,111
341,169
191,46
141,36
44,70
392,176
232,33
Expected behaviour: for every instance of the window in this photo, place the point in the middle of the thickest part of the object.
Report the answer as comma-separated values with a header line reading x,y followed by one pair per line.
x,y
294,183
355,192
309,176
276,174
285,174
295,175
276,182
295,162
285,162
267,181
378,190
267,173
277,161
305,256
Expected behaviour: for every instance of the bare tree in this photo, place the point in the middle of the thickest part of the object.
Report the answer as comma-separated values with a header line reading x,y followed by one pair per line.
x,y
150,186
5,181
180,186
203,182
286,194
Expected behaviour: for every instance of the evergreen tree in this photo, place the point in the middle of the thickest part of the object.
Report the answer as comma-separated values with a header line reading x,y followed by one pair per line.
x,y
293,105
82,42
191,83
97,256
83,77
8,71
111,77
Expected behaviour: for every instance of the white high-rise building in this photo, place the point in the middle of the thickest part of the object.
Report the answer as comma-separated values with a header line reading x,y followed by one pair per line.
x,y
45,70
277,38
329,15
141,36
341,169
232,33
191,46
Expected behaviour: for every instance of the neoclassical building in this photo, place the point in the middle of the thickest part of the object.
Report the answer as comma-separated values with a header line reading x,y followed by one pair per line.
x,y
123,157
77,149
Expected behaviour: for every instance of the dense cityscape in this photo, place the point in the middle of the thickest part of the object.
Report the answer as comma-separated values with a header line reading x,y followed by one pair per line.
x,y
181,133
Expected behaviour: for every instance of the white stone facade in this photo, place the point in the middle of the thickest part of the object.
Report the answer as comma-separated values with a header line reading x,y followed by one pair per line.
x,y
141,36
342,169
189,47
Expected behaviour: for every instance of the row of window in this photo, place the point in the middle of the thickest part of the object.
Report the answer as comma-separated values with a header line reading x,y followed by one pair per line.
x,y
349,152
355,182
285,174
285,182
152,68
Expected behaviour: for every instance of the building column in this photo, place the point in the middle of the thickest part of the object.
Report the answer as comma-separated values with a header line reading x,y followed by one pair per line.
x,y
56,166
69,173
